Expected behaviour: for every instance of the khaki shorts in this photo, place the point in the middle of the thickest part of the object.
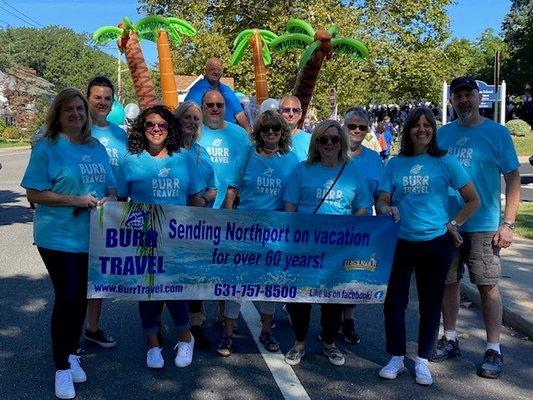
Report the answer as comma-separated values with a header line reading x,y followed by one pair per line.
x,y
479,256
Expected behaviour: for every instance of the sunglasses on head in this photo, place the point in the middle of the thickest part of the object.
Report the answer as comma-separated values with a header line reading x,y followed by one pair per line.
x,y
353,127
267,128
212,105
287,110
327,139
149,125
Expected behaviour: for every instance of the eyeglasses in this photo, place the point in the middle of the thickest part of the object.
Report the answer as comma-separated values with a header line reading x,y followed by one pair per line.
x,y
353,127
212,105
150,126
327,139
287,110
267,128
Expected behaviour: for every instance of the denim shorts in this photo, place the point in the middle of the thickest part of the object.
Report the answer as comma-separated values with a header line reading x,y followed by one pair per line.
x,y
480,257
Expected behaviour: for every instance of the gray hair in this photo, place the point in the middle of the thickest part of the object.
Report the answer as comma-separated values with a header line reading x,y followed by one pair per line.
x,y
357,112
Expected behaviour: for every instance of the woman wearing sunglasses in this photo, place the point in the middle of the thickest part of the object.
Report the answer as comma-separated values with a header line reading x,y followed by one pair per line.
x,y
189,119
415,186
369,163
327,183
261,176
157,171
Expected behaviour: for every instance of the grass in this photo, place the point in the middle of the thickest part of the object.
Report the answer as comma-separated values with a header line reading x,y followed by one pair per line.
x,y
524,144
524,220
6,143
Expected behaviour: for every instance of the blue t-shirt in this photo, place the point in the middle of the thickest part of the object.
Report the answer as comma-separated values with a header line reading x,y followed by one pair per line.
x,y
69,169
485,151
263,181
309,183
233,105
114,140
204,165
419,188
300,144
224,146
369,163
164,181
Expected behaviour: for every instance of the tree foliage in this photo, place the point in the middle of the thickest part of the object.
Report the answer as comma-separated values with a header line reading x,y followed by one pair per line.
x,y
518,35
59,55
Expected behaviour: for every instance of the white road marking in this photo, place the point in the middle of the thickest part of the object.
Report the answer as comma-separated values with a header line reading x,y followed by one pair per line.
x,y
287,381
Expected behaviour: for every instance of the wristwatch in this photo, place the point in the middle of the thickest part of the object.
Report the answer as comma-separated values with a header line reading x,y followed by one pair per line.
x,y
454,223
510,225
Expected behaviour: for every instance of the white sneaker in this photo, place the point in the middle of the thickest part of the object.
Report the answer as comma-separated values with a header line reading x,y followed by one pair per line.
x,y
64,386
78,374
154,359
184,354
422,374
394,368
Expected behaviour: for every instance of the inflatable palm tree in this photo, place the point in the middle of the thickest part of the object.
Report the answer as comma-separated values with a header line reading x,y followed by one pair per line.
x,y
258,40
319,46
159,29
128,43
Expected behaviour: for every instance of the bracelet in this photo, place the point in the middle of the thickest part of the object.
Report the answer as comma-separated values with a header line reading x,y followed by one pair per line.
x,y
509,225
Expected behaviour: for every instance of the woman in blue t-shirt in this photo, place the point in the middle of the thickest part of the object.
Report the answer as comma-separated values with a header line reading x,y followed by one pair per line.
x,y
156,171
189,118
327,183
415,186
260,178
68,174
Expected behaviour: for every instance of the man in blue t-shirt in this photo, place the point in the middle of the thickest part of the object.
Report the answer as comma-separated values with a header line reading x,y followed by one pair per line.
x,y
486,151
100,92
211,81
224,142
290,109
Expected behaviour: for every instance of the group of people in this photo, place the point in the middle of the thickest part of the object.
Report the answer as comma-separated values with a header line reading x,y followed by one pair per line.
x,y
83,161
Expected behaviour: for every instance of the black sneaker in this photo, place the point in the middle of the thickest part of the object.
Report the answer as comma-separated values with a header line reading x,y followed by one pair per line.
x,y
492,365
348,331
224,347
101,338
202,342
446,349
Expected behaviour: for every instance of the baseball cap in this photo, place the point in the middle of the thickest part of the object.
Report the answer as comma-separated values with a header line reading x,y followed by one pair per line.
x,y
463,82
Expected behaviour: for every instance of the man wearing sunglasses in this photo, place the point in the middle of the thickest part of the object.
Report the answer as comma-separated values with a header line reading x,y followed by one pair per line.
x,y
223,141
290,109
211,81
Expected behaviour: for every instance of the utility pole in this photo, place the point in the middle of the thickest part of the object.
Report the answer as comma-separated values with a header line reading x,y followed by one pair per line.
x,y
496,84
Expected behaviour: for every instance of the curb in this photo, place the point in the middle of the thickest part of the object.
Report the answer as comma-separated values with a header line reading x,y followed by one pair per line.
x,y
513,315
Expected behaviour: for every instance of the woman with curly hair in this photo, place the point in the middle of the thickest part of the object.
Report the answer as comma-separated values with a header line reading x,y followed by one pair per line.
x,y
157,171
260,180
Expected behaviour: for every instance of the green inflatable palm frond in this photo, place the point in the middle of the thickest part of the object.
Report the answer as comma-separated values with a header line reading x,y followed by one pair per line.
x,y
351,47
299,26
308,54
105,34
238,54
291,41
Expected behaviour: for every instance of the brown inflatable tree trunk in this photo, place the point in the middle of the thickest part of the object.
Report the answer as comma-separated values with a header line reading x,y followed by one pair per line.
x,y
166,69
140,74
261,86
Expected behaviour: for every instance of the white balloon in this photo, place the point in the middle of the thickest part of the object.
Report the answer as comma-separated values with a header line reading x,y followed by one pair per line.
x,y
132,111
269,104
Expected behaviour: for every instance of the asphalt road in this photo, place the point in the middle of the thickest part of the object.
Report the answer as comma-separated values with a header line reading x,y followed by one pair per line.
x,y
26,369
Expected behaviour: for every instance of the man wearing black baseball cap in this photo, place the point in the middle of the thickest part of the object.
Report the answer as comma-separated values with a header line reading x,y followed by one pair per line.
x,y
486,151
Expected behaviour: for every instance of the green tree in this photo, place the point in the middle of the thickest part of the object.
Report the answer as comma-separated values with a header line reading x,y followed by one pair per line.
x,y
518,35
399,34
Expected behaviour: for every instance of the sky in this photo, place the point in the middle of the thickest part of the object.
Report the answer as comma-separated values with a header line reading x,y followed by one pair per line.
x,y
468,17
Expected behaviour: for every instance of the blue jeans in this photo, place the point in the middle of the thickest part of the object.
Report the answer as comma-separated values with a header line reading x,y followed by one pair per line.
x,y
149,312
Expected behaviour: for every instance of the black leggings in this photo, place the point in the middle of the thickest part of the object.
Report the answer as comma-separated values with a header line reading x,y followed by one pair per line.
x,y
330,320
68,273
430,260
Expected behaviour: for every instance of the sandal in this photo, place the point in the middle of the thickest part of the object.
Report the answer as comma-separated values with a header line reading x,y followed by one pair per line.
x,y
269,342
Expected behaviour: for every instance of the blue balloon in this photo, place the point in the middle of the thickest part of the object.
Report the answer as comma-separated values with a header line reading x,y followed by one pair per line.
x,y
117,114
